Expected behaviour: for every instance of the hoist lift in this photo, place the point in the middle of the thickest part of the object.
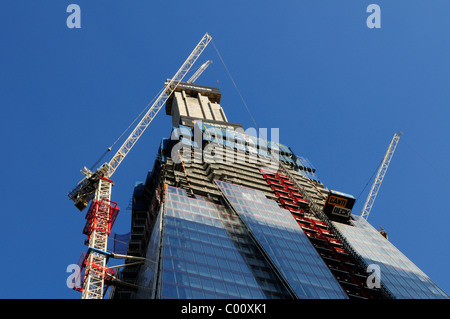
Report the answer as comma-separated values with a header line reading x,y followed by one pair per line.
x,y
96,186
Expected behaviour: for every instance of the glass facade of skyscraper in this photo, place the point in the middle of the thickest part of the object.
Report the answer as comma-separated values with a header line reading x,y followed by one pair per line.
x,y
284,243
203,250
403,279
206,252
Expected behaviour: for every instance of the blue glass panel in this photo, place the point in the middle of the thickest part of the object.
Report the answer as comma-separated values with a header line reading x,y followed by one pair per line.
x,y
148,275
400,276
206,249
284,242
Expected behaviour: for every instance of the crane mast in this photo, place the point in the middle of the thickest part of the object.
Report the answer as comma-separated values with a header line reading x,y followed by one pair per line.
x,y
96,187
380,175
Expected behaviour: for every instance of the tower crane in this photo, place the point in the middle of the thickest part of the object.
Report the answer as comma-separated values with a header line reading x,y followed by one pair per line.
x,y
96,186
380,175
199,72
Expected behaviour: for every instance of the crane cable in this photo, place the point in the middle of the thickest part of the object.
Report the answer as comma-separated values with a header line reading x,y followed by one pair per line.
x,y
370,179
110,148
135,119
234,83
140,114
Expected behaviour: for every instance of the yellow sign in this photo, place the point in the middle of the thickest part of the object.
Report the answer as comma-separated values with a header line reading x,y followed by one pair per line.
x,y
338,201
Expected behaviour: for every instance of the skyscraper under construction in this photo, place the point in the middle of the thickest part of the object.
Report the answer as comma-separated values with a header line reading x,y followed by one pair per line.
x,y
224,213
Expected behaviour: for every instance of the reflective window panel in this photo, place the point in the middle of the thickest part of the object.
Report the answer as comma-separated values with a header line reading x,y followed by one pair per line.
x,y
284,242
208,253
403,279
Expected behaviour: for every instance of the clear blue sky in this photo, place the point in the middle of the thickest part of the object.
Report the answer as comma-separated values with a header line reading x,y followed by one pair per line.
x,y
336,89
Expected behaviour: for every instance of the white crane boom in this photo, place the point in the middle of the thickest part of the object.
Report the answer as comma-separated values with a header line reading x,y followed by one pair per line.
x,y
380,175
199,72
157,105
85,189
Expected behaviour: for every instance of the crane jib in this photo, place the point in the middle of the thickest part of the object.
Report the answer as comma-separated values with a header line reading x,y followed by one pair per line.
x,y
85,189
157,105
